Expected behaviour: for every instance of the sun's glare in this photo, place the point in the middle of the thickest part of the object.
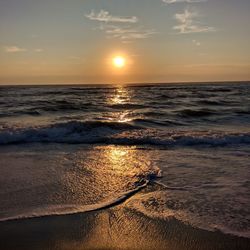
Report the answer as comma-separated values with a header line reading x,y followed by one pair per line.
x,y
119,61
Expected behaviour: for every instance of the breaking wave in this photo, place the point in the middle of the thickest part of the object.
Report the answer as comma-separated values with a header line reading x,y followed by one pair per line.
x,y
98,132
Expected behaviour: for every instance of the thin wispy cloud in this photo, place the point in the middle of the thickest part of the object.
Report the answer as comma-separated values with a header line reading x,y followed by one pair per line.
x,y
104,16
188,23
14,49
126,33
120,27
38,50
197,43
183,1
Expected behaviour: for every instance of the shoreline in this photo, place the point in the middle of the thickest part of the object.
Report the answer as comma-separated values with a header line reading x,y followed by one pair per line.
x,y
116,227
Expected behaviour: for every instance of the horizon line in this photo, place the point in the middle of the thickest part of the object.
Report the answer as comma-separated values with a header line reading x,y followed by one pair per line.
x,y
129,83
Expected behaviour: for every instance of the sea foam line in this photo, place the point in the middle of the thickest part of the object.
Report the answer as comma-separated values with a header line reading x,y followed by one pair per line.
x,y
57,210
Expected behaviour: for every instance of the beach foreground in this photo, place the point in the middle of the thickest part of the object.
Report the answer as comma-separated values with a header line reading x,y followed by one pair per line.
x,y
129,167
118,227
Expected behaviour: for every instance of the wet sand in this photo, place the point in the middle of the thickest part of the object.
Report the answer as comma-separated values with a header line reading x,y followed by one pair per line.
x,y
117,227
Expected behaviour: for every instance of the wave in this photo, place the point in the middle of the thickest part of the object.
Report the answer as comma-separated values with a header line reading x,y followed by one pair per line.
x,y
157,204
68,132
185,139
196,113
127,106
17,113
211,102
216,89
117,133
243,111
153,123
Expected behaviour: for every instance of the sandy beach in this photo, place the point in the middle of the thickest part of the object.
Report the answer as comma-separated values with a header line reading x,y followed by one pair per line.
x,y
118,227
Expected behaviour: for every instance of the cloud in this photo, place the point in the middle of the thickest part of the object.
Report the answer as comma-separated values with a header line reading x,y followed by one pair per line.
x,y
38,50
14,49
188,24
119,27
126,33
183,1
197,43
104,16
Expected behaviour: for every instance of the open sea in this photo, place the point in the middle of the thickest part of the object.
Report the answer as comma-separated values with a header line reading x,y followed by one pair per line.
x,y
70,149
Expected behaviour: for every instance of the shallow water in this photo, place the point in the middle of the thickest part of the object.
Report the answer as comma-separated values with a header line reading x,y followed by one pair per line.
x,y
76,149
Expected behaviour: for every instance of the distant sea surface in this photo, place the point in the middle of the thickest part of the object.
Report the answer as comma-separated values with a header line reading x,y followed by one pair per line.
x,y
68,149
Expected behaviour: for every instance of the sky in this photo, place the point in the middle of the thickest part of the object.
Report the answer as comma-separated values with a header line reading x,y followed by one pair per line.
x,y
74,41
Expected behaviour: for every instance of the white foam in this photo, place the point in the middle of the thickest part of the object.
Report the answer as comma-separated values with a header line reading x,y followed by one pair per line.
x,y
118,133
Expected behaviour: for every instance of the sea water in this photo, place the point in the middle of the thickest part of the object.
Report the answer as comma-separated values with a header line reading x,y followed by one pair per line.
x,y
68,149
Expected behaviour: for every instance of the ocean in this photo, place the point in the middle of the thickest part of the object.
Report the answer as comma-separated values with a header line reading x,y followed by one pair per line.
x,y
79,148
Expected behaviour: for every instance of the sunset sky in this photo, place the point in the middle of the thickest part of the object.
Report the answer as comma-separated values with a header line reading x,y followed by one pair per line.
x,y
75,41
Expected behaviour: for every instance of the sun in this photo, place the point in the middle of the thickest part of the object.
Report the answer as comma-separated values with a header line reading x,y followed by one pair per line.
x,y
119,61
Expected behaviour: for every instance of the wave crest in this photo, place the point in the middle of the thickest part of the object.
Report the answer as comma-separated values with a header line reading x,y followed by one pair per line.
x,y
68,132
98,132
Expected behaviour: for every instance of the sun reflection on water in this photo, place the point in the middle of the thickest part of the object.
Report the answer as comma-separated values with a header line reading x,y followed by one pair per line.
x,y
118,160
127,161
121,159
120,96
119,99
106,171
